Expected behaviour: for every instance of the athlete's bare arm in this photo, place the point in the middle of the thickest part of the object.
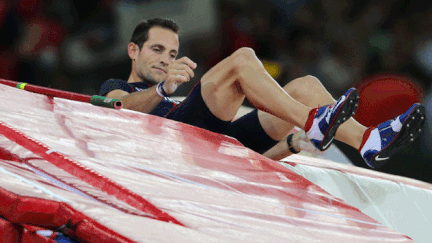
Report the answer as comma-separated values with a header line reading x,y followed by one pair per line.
x,y
144,101
178,72
281,150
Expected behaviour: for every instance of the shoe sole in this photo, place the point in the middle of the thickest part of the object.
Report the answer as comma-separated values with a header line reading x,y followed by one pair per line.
x,y
410,130
345,112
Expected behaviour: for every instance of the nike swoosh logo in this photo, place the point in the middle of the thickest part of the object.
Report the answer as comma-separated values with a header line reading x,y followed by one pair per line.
x,y
380,159
325,146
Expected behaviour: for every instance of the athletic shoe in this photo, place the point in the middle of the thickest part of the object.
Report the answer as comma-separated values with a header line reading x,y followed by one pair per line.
x,y
323,121
381,142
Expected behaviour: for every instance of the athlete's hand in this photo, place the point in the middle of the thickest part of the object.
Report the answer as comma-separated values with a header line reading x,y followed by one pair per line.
x,y
179,71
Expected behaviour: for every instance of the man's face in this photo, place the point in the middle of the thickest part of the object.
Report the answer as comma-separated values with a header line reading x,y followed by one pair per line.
x,y
156,54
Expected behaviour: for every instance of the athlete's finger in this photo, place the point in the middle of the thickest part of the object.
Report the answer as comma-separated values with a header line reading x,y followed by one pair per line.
x,y
185,74
187,61
175,79
179,72
182,69
187,69
180,78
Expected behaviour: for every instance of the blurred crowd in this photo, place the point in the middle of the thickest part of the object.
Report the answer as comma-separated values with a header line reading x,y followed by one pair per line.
x,y
342,42
339,41
34,32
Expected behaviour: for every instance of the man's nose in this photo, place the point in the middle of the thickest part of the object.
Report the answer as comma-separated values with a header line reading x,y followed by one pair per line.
x,y
165,59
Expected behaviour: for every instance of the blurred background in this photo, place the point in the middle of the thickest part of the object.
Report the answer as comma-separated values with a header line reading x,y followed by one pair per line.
x,y
384,48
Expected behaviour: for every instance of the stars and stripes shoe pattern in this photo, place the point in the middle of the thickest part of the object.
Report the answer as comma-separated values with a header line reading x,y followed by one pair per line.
x,y
323,122
381,142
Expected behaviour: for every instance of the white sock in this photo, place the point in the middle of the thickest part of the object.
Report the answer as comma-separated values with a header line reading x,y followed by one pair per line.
x,y
314,132
373,142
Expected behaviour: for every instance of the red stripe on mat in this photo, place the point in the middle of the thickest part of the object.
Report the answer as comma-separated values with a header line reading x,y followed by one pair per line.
x,y
34,214
85,174
7,155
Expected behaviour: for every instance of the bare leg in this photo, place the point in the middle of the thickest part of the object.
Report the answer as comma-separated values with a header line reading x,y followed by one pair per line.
x,y
241,75
309,91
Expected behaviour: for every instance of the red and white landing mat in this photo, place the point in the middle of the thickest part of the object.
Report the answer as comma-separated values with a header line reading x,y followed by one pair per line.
x,y
104,175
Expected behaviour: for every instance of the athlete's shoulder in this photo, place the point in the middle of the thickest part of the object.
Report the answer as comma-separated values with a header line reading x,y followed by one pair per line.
x,y
113,84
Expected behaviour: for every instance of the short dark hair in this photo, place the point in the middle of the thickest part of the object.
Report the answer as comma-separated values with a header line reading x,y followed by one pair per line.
x,y
140,34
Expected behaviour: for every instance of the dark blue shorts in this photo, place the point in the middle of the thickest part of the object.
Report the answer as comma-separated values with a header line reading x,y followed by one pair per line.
x,y
247,129
194,111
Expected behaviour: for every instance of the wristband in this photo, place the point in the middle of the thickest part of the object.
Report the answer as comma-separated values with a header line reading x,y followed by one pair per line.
x,y
158,92
164,94
290,146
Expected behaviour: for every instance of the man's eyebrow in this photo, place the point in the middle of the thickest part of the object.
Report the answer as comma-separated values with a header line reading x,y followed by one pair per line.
x,y
163,48
158,46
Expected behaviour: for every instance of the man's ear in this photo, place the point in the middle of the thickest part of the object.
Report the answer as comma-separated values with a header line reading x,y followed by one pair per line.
x,y
133,50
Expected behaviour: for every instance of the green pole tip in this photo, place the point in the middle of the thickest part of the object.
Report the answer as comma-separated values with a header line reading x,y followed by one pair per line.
x,y
106,102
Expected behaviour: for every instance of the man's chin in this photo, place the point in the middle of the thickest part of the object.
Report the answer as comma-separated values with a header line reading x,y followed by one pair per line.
x,y
155,80
158,81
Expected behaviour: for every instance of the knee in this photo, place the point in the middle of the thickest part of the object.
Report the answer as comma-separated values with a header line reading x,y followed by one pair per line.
x,y
301,89
245,52
311,82
244,58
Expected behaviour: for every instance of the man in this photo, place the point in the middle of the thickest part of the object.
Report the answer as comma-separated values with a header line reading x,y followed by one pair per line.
x,y
214,101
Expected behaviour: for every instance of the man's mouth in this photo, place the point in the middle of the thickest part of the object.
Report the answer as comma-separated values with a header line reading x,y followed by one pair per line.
x,y
160,69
